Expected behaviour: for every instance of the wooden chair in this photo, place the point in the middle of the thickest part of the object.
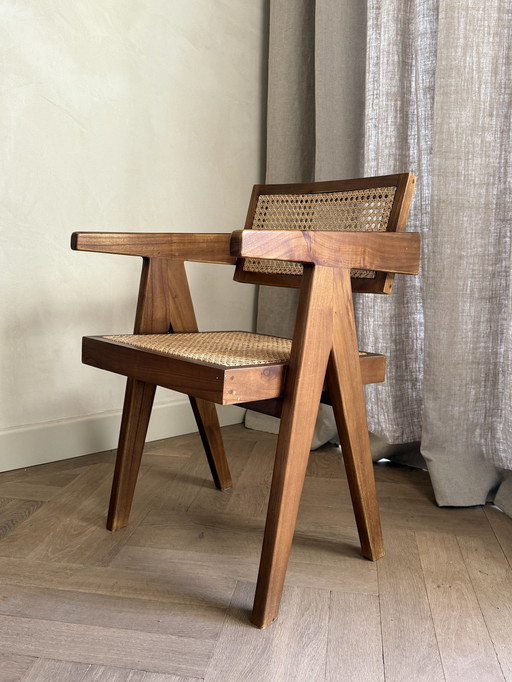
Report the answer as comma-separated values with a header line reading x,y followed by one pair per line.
x,y
329,239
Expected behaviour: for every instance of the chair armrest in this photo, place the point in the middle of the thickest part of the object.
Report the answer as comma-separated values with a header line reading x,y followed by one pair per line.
x,y
204,248
383,251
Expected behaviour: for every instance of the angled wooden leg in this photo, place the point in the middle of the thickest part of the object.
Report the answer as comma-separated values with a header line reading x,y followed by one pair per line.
x,y
306,373
347,397
182,319
134,425
209,429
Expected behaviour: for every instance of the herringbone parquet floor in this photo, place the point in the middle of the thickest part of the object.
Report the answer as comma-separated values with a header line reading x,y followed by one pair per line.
x,y
167,599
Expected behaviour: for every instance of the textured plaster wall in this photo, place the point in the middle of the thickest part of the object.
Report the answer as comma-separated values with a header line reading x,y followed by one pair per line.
x,y
115,115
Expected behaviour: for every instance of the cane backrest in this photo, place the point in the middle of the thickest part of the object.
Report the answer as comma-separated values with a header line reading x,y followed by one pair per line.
x,y
377,204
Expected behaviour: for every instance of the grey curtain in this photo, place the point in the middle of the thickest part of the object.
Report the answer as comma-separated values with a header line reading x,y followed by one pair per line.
x,y
314,130
421,85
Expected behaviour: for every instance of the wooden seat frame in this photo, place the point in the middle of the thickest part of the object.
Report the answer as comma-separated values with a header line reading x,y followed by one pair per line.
x,y
324,362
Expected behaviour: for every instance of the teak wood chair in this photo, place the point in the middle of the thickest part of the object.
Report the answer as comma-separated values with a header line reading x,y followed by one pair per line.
x,y
329,239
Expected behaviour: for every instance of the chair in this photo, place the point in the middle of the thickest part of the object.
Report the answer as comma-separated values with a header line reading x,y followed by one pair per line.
x,y
329,239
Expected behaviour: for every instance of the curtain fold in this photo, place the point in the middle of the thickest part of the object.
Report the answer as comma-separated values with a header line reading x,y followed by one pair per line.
x,y
438,100
400,58
315,127
421,85
290,132
467,417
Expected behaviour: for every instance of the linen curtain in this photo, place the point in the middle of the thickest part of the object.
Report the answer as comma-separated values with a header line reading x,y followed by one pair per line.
x,y
314,128
420,85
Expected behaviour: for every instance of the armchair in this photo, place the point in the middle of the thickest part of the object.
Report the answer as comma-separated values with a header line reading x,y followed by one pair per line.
x,y
329,239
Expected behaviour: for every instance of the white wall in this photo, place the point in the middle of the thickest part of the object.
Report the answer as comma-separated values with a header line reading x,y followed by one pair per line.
x,y
115,115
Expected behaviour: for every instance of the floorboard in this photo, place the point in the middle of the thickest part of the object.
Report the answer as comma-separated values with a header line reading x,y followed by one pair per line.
x,y
354,625
99,645
464,641
408,634
13,667
491,578
294,648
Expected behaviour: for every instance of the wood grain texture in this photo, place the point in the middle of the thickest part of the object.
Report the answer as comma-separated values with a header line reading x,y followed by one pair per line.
x,y
135,613
14,667
491,577
155,677
385,251
347,397
502,530
47,670
311,346
208,425
221,385
27,537
199,247
418,517
74,522
250,495
408,635
465,646
382,282
354,625
138,403
164,303
101,673
396,179
33,484
101,606
103,645
179,581
14,512
295,649
208,382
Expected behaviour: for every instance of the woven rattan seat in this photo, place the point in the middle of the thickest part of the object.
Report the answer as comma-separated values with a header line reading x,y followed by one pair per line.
x,y
329,239
232,362
224,349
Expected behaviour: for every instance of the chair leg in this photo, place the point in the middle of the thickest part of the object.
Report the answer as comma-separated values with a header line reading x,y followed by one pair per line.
x,y
306,374
291,461
209,429
347,398
134,425
355,446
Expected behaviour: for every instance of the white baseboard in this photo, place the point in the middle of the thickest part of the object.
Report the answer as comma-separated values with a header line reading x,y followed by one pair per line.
x,y
34,444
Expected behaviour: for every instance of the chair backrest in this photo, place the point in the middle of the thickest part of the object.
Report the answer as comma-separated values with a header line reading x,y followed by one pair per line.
x,y
367,204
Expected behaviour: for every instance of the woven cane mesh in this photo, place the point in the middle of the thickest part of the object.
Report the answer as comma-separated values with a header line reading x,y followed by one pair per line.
x,y
227,349
365,210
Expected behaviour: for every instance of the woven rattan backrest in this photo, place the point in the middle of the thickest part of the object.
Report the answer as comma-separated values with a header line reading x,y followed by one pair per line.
x,y
368,204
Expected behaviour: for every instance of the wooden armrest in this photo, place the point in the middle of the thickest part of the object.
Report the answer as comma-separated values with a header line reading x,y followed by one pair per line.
x,y
203,248
384,251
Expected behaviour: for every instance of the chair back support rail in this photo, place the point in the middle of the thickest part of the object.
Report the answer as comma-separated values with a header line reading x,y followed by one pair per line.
x,y
379,204
329,239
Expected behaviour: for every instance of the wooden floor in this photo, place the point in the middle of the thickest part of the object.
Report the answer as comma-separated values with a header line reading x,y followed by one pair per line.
x,y
167,599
